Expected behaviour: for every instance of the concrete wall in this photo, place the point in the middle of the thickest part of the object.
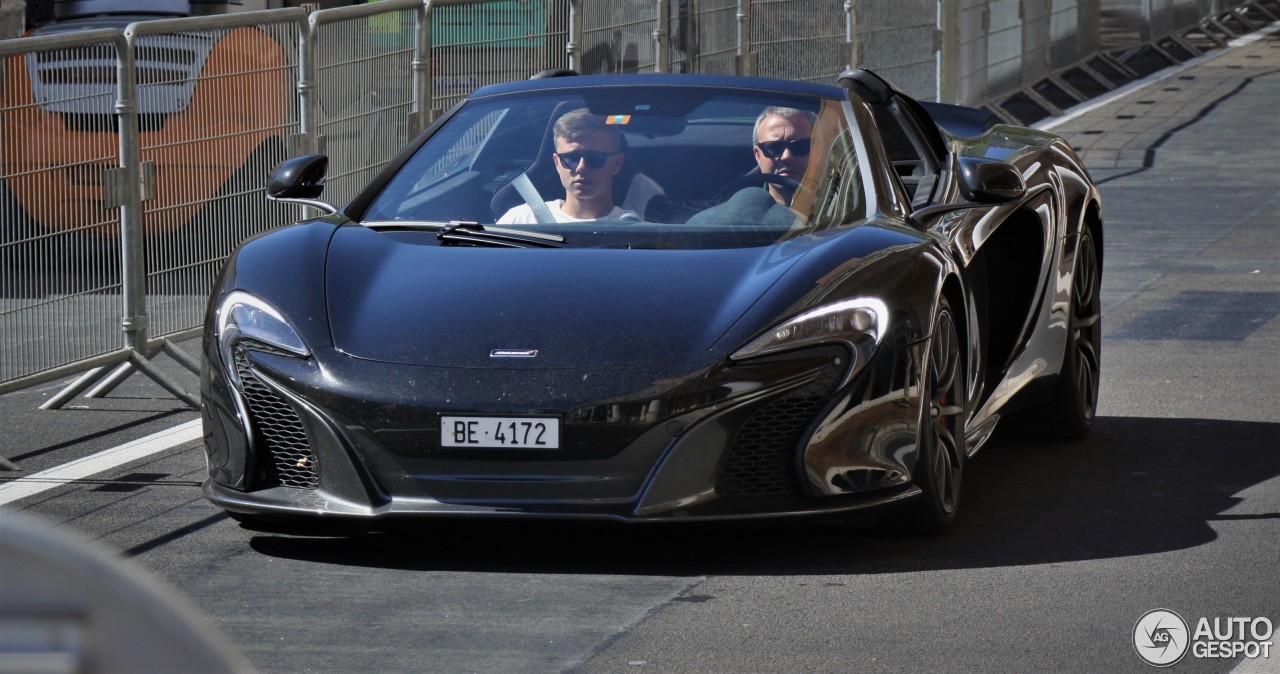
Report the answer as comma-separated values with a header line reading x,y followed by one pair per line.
x,y
11,18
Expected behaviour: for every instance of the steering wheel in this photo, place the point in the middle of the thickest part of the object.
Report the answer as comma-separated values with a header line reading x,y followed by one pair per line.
x,y
752,180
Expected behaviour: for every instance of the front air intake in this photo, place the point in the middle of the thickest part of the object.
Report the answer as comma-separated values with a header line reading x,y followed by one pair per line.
x,y
279,438
762,457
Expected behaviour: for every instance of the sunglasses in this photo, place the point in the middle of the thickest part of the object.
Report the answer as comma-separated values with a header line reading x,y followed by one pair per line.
x,y
774,148
595,159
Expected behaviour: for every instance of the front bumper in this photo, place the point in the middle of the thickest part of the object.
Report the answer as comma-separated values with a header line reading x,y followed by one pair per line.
x,y
356,439
286,504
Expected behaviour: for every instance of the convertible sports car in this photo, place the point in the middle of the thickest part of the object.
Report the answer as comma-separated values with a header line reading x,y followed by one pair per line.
x,y
731,342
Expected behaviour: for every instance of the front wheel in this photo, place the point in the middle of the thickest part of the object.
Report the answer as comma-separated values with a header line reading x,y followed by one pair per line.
x,y
940,437
1069,415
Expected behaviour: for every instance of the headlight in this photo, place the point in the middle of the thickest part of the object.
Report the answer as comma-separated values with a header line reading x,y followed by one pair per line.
x,y
860,323
243,316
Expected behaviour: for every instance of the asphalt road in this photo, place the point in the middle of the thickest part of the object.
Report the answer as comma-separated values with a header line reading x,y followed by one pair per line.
x,y
1172,502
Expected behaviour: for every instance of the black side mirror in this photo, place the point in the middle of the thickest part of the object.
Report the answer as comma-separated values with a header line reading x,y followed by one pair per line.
x,y
299,178
989,181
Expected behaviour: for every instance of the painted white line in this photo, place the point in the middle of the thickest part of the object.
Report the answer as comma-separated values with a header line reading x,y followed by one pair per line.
x,y
1083,108
97,463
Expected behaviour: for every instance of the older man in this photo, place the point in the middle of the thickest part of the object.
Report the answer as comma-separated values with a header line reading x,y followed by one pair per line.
x,y
781,141
588,154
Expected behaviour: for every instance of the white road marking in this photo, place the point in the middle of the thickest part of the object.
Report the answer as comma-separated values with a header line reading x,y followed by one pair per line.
x,y
97,463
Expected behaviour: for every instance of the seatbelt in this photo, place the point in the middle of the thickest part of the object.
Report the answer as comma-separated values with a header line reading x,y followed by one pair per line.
x,y
526,190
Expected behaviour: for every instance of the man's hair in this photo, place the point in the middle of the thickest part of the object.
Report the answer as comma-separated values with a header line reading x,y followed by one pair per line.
x,y
785,113
575,124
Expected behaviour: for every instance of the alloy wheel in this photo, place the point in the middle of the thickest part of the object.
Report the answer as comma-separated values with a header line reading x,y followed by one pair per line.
x,y
945,413
1086,322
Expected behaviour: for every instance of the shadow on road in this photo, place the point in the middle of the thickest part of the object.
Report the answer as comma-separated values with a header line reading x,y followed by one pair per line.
x,y
104,432
1135,486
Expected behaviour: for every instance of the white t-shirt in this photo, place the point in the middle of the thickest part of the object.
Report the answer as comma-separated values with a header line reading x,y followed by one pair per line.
x,y
523,215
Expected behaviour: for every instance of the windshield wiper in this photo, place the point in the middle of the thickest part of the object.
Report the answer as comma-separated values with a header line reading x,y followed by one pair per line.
x,y
402,226
475,233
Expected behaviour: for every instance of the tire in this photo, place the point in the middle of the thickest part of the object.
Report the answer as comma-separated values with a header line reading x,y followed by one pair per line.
x,y
1069,413
944,408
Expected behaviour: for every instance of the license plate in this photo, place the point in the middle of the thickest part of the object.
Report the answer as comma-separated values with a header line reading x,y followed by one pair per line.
x,y
507,432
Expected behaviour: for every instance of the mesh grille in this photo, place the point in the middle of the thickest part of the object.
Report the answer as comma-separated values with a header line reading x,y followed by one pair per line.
x,y
762,458
278,432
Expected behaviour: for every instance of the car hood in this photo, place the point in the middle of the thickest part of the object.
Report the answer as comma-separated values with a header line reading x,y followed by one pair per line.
x,y
397,297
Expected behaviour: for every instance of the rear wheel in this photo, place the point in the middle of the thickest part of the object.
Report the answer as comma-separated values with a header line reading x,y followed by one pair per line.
x,y
941,433
1069,415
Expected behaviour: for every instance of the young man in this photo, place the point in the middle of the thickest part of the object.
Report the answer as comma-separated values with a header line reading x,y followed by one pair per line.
x,y
588,155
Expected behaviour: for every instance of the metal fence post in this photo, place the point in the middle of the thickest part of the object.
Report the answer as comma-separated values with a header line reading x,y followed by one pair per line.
x,y
574,44
422,112
946,73
133,275
746,64
125,193
850,34
308,117
1145,31
662,38
133,271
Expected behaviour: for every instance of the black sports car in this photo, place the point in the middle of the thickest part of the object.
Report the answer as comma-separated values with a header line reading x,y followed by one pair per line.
x,y
658,297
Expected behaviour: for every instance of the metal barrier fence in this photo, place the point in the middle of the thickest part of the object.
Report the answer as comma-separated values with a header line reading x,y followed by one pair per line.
x,y
900,41
132,167
365,78
213,121
60,279
475,43
134,162
705,38
791,39
630,32
799,40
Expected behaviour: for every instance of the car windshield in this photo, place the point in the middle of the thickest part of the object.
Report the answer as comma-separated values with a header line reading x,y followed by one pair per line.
x,y
635,167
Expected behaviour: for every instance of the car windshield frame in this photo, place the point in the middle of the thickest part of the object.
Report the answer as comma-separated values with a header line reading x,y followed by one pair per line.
x,y
689,177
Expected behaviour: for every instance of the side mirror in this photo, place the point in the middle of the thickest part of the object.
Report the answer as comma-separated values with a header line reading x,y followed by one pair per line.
x,y
989,181
299,178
